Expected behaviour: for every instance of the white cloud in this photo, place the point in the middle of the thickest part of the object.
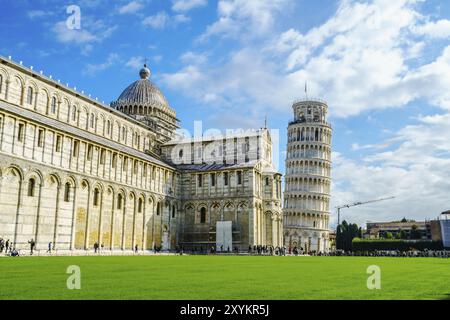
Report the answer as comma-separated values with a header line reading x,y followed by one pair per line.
x,y
162,20
157,21
135,63
434,29
364,57
157,58
238,18
131,7
33,14
92,69
194,58
66,35
245,75
416,172
91,32
181,18
186,5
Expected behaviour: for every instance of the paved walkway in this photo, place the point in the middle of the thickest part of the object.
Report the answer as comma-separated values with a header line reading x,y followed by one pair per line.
x,y
68,253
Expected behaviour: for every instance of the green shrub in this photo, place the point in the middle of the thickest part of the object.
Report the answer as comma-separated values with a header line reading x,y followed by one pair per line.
x,y
394,244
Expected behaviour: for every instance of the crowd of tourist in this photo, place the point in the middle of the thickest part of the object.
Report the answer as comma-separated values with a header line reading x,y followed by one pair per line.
x,y
392,253
8,248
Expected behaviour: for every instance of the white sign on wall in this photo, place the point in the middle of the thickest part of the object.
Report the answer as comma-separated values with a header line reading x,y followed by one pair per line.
x,y
224,236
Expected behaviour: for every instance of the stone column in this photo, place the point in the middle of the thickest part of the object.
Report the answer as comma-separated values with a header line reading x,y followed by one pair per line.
x,y
55,230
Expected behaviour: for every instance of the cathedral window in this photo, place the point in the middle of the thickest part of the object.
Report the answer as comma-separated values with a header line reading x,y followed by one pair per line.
x,y
114,160
74,113
267,181
102,156
1,83
125,164
173,211
31,187
119,201
40,138
76,146
200,180
158,209
136,166
140,205
96,197
67,192
30,95
20,132
92,121
58,143
108,128
89,152
53,106
213,179
225,178
180,153
203,215
239,177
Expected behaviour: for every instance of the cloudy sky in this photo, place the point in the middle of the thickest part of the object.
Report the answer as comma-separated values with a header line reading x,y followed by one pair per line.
x,y
382,65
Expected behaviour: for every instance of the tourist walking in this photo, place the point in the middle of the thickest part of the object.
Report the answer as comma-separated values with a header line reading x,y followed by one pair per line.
x,y
6,246
32,245
49,247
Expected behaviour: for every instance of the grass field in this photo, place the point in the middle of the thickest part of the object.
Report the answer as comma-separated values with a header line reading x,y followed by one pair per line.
x,y
220,277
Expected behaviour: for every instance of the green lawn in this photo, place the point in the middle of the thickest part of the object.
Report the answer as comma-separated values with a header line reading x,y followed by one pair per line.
x,y
221,277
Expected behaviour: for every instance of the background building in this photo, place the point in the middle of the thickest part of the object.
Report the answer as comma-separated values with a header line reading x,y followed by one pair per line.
x,y
228,179
76,172
440,229
413,230
307,182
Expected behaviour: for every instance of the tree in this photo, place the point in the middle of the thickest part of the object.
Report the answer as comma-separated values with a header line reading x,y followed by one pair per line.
x,y
388,235
345,234
403,235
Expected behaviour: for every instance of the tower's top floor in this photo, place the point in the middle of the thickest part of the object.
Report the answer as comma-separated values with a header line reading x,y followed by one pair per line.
x,y
310,110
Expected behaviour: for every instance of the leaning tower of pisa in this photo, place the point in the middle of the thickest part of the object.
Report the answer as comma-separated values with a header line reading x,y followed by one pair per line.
x,y
307,180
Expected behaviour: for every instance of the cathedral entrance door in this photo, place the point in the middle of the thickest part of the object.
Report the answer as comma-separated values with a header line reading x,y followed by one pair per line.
x,y
165,241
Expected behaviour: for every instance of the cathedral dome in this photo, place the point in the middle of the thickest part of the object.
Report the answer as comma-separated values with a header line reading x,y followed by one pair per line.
x,y
142,93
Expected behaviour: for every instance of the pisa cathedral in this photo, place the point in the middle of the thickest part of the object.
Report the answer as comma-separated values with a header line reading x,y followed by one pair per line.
x,y
307,180
76,172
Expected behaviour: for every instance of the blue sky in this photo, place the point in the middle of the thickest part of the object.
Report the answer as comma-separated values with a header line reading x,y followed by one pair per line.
x,y
382,65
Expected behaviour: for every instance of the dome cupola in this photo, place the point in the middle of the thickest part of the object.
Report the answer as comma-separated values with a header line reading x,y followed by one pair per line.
x,y
141,93
143,101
